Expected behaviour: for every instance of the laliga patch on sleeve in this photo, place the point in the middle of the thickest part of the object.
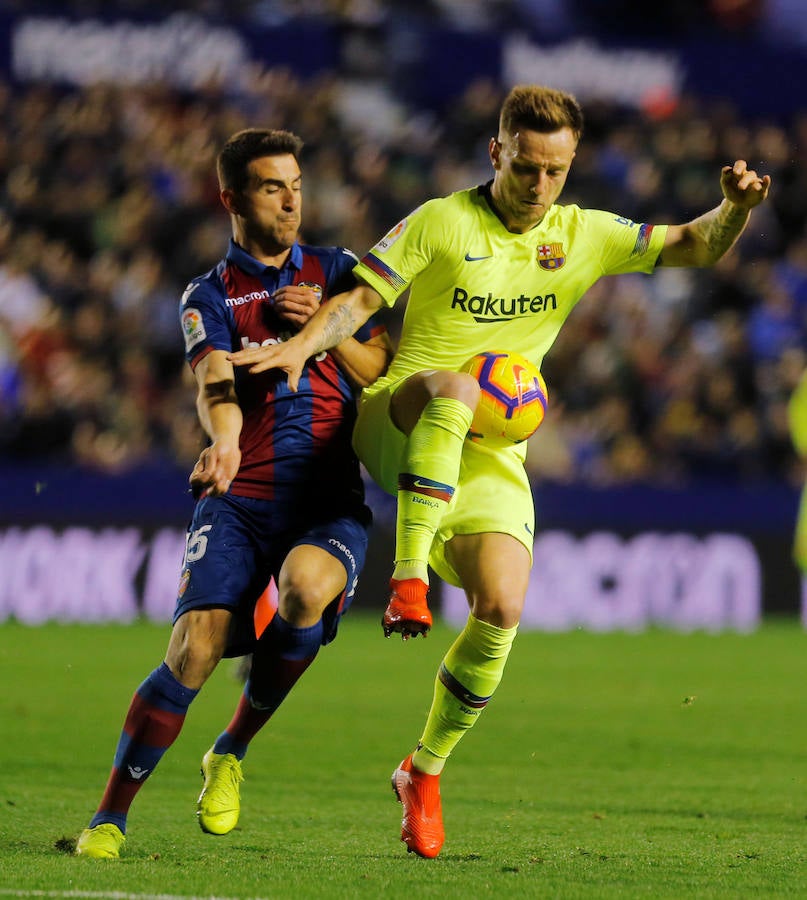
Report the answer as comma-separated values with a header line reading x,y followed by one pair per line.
x,y
390,237
193,328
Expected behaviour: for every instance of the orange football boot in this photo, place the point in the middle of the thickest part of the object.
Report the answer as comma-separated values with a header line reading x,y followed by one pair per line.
x,y
422,825
408,610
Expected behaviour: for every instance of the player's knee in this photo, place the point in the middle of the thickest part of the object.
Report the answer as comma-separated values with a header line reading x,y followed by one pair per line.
x,y
303,597
460,386
502,611
193,661
196,646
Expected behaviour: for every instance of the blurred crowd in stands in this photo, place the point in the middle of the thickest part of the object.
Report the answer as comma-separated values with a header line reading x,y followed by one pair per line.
x,y
109,204
778,20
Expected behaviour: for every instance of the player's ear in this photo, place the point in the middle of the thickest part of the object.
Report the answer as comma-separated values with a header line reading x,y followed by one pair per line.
x,y
230,201
495,150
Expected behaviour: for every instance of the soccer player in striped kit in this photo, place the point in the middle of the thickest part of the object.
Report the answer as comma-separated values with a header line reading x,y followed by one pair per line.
x,y
282,496
497,266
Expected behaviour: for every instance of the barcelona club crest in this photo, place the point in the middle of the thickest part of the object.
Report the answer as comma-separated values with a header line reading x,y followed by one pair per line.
x,y
551,256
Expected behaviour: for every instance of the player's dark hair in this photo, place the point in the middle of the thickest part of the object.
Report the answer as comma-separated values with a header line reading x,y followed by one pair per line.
x,y
538,108
252,143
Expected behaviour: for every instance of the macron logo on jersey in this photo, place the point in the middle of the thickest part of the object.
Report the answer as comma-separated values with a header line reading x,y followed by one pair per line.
x,y
248,298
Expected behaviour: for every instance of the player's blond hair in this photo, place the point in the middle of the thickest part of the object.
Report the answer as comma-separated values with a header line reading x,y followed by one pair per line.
x,y
534,107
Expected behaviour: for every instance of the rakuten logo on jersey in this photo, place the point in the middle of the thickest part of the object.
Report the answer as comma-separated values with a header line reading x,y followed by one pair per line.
x,y
248,298
501,309
247,344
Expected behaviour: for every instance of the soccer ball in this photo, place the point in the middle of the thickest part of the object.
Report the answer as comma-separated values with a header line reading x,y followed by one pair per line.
x,y
513,398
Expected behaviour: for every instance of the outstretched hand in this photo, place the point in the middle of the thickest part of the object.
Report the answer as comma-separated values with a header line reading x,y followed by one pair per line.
x,y
287,356
742,186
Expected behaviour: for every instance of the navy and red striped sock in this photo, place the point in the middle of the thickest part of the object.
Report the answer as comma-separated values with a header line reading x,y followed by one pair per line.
x,y
282,655
155,718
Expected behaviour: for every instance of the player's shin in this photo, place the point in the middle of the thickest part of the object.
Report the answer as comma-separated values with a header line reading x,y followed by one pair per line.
x,y
427,483
153,722
282,655
468,676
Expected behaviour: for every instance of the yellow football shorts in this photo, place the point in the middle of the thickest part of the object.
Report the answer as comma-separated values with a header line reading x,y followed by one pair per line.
x,y
800,536
493,493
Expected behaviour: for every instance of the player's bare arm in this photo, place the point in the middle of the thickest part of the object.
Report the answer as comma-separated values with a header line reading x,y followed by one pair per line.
x,y
334,322
221,417
364,363
703,241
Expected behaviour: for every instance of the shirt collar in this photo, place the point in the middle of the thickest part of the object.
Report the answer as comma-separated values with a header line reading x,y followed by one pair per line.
x,y
238,255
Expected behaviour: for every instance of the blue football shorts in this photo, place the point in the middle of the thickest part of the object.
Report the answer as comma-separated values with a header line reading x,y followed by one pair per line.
x,y
236,544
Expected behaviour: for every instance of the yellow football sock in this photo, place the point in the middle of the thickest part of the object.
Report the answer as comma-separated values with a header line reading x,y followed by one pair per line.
x,y
467,678
425,487
411,568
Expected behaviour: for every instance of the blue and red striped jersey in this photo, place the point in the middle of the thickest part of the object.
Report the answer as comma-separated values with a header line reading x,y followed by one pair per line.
x,y
293,445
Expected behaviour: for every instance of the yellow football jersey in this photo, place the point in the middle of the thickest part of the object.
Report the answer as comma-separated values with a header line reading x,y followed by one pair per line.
x,y
475,286
797,416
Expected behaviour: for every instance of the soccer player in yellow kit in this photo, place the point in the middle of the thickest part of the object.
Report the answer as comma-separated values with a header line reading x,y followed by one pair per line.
x,y
498,266
797,420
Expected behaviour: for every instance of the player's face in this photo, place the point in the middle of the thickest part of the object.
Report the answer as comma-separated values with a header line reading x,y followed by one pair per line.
x,y
530,171
269,210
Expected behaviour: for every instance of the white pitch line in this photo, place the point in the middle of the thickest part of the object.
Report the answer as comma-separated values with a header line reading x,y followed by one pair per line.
x,y
113,895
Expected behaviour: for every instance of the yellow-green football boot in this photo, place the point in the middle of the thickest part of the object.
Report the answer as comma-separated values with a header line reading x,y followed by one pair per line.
x,y
102,842
219,804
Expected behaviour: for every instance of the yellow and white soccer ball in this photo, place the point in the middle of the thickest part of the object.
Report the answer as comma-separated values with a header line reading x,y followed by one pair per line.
x,y
513,399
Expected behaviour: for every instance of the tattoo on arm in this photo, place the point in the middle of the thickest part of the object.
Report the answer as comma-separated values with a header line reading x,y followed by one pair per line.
x,y
720,228
339,325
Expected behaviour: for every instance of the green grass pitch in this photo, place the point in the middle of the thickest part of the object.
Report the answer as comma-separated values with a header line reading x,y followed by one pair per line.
x,y
607,766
